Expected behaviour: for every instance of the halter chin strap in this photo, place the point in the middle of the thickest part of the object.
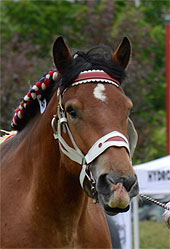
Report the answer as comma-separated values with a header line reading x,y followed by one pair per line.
x,y
113,138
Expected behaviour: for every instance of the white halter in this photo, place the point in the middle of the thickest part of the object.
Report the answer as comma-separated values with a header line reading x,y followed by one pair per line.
x,y
113,138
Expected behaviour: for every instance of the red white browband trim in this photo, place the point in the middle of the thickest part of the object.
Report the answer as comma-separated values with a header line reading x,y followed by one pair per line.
x,y
93,76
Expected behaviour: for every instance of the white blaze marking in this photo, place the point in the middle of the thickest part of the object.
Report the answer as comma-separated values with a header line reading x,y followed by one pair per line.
x,y
99,92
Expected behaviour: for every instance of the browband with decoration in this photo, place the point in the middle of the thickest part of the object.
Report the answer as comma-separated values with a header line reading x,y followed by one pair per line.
x,y
93,76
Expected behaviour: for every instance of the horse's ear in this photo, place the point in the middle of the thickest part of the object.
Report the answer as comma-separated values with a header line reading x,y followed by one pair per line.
x,y
61,54
122,53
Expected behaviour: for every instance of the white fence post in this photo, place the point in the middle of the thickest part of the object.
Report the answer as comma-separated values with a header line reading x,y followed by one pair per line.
x,y
136,222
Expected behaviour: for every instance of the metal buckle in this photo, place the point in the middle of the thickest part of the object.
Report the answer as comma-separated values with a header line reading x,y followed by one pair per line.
x,y
55,133
92,182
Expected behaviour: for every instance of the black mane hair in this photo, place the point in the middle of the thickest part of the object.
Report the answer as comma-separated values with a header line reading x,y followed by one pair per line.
x,y
99,57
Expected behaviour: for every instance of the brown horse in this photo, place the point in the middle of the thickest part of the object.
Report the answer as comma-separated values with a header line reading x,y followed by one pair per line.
x,y
44,205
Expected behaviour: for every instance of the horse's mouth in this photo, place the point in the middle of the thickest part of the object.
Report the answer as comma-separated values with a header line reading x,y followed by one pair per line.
x,y
114,211
116,201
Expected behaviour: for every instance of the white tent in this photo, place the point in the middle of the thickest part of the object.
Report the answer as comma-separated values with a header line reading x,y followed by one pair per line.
x,y
153,178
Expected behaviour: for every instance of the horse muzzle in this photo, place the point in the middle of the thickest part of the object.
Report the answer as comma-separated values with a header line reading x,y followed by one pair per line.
x,y
114,194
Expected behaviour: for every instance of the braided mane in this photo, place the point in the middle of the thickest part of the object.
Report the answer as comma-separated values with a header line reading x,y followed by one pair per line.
x,y
97,58
29,104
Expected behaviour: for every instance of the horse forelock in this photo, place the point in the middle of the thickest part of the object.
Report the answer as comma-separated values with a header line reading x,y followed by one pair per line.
x,y
97,58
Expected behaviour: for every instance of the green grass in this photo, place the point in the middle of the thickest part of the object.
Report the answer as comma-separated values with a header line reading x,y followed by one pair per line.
x,y
154,235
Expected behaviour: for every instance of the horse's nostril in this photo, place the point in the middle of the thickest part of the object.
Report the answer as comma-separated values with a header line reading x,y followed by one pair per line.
x,y
110,179
103,184
128,182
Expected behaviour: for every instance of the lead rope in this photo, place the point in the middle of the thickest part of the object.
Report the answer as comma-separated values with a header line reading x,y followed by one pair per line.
x,y
154,201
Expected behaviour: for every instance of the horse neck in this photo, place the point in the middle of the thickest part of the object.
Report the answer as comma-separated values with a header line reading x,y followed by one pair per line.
x,y
54,183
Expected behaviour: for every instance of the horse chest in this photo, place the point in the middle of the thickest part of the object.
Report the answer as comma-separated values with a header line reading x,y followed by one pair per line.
x,y
28,231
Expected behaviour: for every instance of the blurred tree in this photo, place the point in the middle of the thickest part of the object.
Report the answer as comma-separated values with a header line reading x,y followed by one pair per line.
x,y
154,11
40,21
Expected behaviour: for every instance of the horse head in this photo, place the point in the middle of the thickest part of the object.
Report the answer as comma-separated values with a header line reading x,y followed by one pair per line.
x,y
92,123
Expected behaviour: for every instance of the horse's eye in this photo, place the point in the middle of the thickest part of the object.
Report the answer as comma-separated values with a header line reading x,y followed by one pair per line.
x,y
72,112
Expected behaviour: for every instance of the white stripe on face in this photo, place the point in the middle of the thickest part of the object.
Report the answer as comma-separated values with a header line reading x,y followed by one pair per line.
x,y
99,92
